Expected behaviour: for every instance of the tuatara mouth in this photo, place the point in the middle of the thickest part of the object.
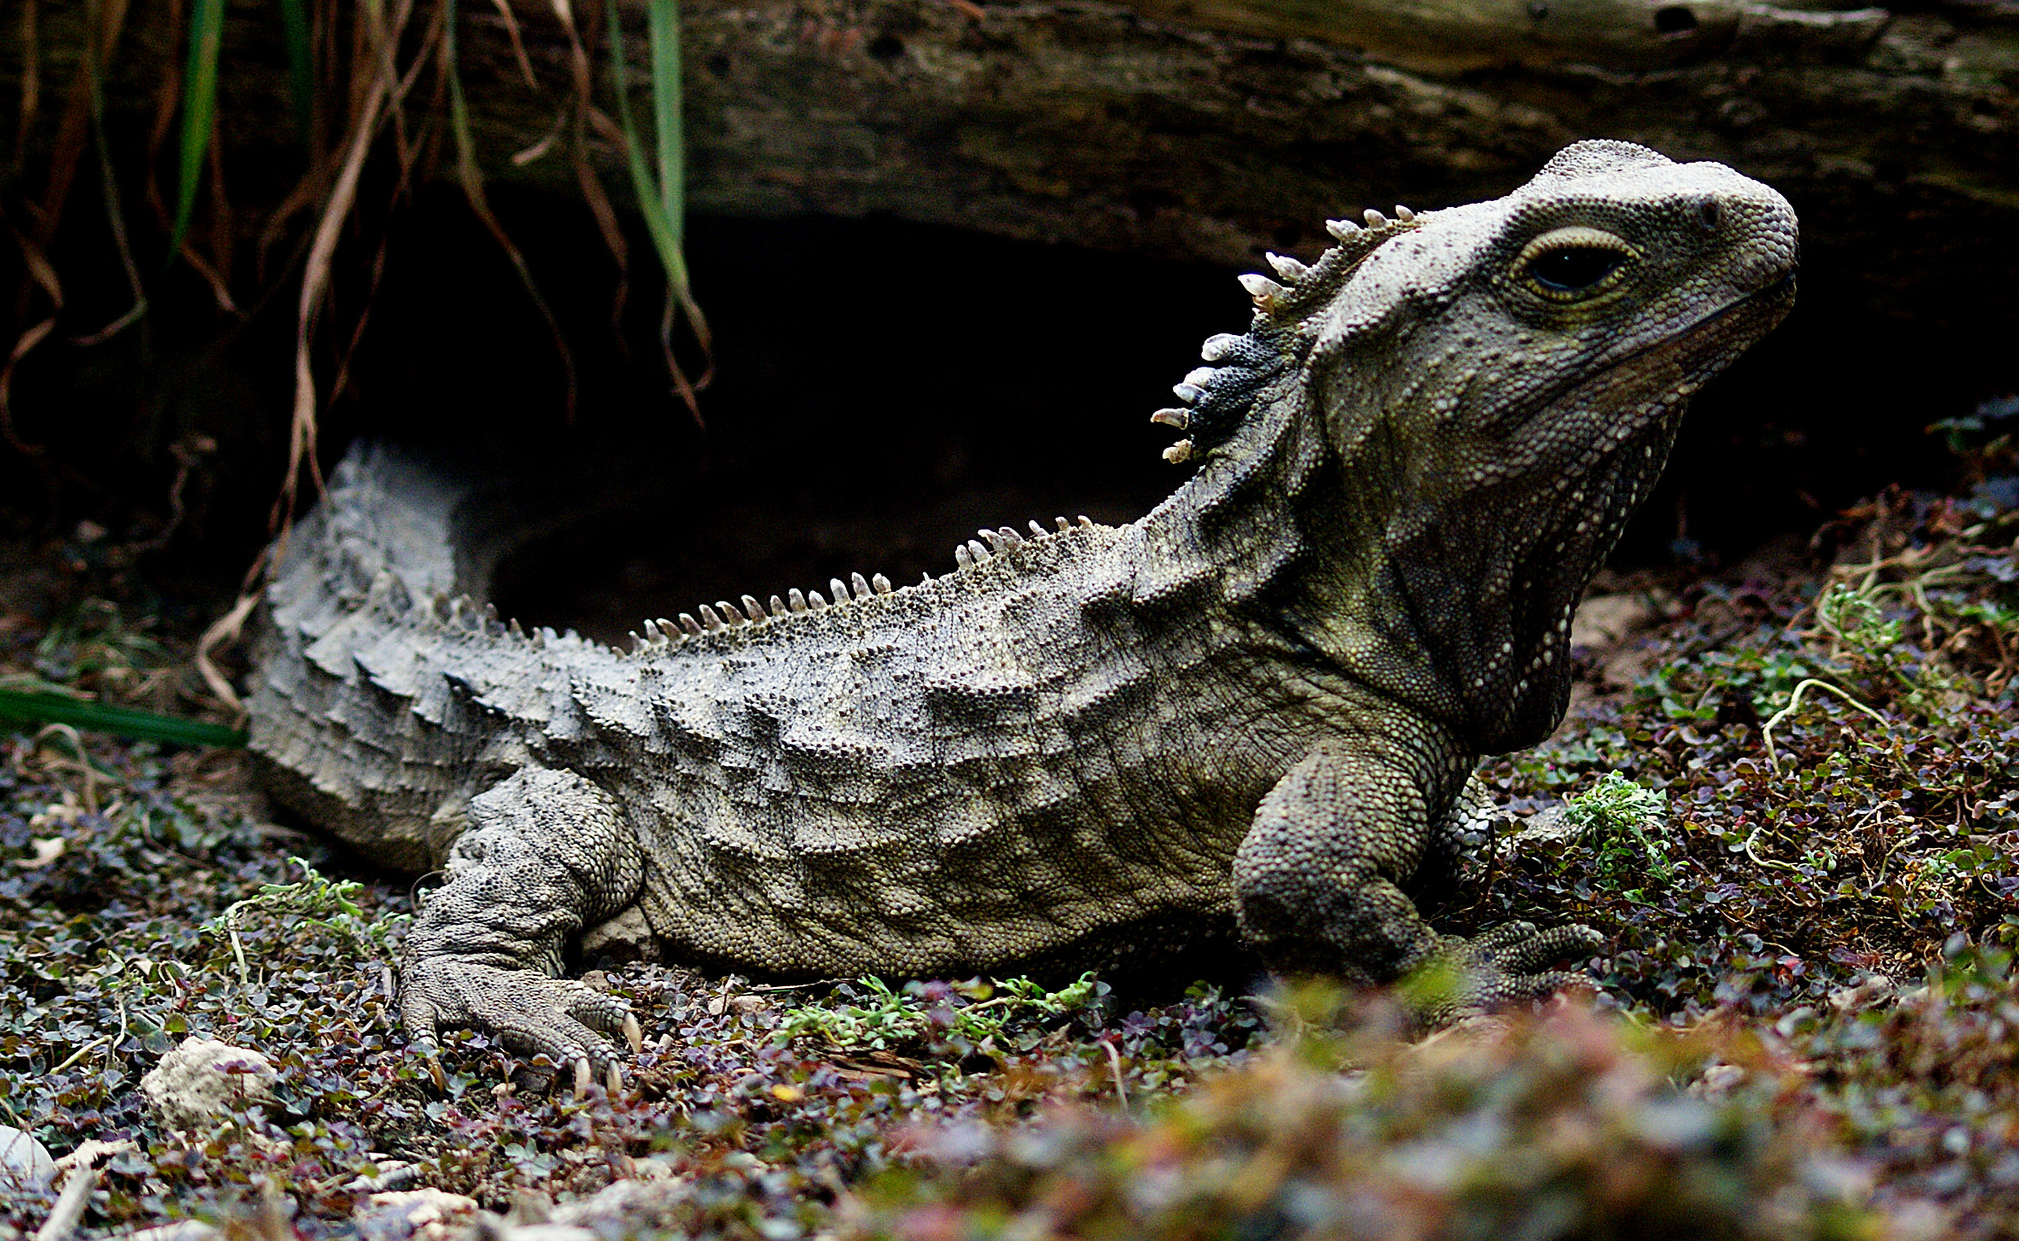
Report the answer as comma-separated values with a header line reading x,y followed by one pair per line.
x,y
1772,300
1765,306
1777,296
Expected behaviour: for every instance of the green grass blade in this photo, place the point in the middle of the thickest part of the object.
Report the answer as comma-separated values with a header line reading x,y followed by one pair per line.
x,y
652,198
33,708
459,108
199,110
300,68
663,31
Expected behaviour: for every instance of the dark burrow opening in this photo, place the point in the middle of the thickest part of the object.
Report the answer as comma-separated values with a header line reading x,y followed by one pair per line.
x,y
883,389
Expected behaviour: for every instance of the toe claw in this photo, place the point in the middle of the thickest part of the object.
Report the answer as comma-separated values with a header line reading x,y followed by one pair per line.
x,y
1504,936
613,1080
533,1014
1543,948
1509,964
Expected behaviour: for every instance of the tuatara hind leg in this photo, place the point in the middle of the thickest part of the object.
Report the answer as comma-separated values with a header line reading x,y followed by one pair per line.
x,y
1318,881
547,853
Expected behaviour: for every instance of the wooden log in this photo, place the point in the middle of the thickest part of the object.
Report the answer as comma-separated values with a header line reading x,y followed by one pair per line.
x,y
1215,129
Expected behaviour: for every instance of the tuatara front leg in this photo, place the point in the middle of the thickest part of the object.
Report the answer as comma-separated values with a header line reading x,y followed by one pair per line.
x,y
547,853
1318,883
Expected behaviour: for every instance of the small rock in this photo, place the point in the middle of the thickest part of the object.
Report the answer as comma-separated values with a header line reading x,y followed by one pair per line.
x,y
1718,1080
659,1168
1919,1221
1873,989
187,1230
204,1080
626,1208
393,1175
626,937
529,1206
418,1214
23,1160
547,1232
1546,827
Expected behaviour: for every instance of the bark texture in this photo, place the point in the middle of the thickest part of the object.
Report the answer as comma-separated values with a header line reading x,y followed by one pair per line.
x,y
1099,124
1106,125
1217,128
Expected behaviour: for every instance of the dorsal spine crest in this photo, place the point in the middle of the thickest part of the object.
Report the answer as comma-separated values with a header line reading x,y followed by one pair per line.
x,y
1213,399
725,622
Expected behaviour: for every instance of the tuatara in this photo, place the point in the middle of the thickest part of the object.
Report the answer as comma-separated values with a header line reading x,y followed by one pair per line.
x,y
1254,711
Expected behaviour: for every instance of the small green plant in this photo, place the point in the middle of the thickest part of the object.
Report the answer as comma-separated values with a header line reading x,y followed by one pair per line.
x,y
92,645
1624,820
1567,1126
1616,804
1877,647
1775,673
1857,622
316,900
1989,612
975,1011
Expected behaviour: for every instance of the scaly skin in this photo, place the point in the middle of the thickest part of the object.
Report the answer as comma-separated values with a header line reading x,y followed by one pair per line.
x,y
1253,710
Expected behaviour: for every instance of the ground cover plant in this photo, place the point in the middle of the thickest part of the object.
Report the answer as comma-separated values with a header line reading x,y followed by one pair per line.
x,y
1790,802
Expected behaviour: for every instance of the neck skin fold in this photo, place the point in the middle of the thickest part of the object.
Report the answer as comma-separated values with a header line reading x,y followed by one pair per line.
x,y
1398,554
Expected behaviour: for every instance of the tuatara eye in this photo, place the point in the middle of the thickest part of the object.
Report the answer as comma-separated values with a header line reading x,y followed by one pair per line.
x,y
1574,269
1572,264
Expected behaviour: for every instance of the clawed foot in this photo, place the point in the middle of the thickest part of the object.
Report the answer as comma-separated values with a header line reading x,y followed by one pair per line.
x,y
1504,966
530,1013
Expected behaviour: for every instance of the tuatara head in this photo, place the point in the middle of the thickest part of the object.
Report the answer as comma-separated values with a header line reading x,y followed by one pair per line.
x,y
1497,385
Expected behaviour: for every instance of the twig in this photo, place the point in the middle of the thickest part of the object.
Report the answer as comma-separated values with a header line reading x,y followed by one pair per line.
x,y
81,764
43,275
1757,860
237,948
1795,700
70,1204
511,24
223,632
112,1047
1903,842
383,92
1115,1063
188,453
79,1054
91,1152
115,216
